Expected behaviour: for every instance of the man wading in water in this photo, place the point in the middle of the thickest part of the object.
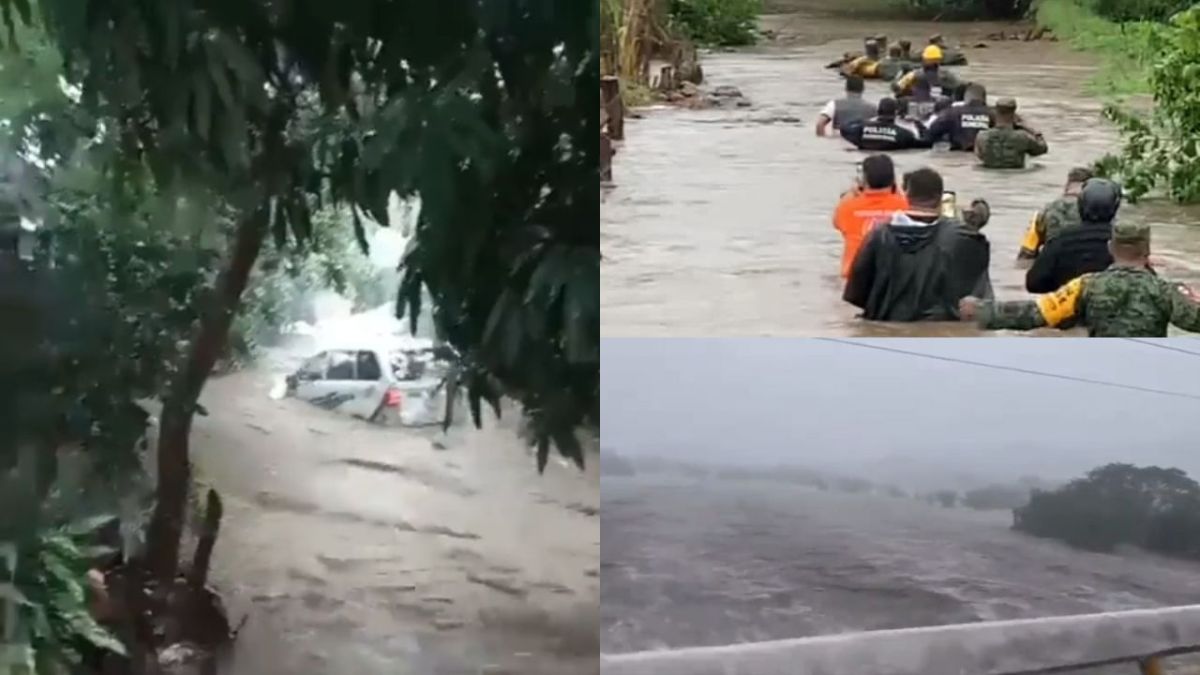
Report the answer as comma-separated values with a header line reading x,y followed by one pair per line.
x,y
1006,145
1054,217
843,111
1126,300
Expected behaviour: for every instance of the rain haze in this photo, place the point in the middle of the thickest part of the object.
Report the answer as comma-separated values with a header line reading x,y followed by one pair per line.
x,y
861,409
742,551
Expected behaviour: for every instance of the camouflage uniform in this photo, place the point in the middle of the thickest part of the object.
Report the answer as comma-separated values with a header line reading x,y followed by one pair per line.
x,y
1054,217
1120,301
1006,147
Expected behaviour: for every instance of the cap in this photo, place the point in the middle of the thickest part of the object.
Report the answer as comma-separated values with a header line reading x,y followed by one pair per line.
x,y
931,53
1080,174
1006,103
1131,233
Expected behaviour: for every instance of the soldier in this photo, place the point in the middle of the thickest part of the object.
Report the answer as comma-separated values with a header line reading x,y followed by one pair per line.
x,y
1081,249
893,65
1005,146
1126,300
935,75
1054,217
866,65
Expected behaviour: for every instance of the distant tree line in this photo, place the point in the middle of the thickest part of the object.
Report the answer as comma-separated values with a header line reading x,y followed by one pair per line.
x,y
1154,508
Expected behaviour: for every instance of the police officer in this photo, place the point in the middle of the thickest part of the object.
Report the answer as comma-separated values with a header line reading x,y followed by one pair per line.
x,y
1082,249
1126,300
1054,217
882,133
851,108
960,125
1005,146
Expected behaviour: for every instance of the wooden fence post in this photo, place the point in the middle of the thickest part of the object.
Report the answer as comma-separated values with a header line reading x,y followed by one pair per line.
x,y
610,98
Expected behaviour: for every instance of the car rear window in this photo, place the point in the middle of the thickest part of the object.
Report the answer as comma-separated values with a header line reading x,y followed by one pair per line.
x,y
341,366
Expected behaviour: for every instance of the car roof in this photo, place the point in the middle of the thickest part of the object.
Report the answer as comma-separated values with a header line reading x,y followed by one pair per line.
x,y
382,346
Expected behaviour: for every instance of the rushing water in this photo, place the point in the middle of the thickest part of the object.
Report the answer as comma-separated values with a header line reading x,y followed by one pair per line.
x,y
686,563
719,222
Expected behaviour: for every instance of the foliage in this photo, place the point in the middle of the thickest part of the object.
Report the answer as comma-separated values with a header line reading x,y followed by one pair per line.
x,y
53,596
962,9
1125,52
995,497
1163,149
1139,10
717,22
1150,507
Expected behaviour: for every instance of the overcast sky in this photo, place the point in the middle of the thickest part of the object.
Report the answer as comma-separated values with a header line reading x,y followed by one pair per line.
x,y
893,416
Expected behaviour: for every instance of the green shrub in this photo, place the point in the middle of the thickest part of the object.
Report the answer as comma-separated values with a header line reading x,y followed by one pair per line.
x,y
1162,150
717,22
1139,10
964,9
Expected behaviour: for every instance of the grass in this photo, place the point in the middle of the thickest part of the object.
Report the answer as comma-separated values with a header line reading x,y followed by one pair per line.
x,y
1125,50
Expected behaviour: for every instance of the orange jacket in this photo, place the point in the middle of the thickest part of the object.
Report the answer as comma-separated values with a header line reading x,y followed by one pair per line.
x,y
858,211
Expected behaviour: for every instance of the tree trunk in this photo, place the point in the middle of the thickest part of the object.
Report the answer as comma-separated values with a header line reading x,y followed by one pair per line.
x,y
174,464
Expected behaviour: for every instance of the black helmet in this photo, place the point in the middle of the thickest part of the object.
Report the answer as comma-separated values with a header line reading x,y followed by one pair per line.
x,y
1099,200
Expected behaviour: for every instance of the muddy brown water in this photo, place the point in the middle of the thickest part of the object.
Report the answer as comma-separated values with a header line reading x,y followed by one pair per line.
x,y
719,221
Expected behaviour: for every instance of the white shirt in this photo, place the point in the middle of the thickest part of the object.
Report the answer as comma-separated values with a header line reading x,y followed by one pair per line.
x,y
829,109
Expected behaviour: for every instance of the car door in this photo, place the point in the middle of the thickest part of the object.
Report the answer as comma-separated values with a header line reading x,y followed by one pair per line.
x,y
369,385
338,389
307,382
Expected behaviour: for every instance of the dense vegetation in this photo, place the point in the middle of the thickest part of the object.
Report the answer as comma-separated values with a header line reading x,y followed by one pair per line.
x,y
1151,507
717,22
964,9
996,497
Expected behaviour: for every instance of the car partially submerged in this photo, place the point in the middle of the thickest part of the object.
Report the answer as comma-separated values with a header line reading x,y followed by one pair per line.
x,y
400,382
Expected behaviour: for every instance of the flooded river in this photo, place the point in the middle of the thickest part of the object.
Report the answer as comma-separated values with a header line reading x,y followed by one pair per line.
x,y
719,222
686,564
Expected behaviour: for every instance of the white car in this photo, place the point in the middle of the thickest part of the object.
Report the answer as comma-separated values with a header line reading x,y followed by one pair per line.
x,y
403,383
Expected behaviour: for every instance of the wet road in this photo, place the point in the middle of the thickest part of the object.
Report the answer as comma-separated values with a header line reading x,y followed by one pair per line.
x,y
685,565
357,549
720,220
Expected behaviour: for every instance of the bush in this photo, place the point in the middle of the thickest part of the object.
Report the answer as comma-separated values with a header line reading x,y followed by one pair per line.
x,y
717,22
962,9
1162,150
1151,507
1139,10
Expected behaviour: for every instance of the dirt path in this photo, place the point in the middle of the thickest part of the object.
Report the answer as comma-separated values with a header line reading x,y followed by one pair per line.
x,y
356,549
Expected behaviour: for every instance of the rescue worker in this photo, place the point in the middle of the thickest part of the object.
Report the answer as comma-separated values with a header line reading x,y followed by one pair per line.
x,y
864,66
875,200
906,52
1005,145
1054,217
931,61
950,57
959,126
920,102
1081,249
850,108
1126,300
917,265
893,65
881,132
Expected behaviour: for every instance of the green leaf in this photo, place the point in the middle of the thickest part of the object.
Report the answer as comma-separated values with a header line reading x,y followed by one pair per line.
x,y
201,105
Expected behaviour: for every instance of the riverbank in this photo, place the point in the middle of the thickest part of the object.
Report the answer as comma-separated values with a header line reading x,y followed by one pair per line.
x,y
1124,52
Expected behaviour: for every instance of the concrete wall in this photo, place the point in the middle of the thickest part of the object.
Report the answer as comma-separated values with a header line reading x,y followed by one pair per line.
x,y
991,648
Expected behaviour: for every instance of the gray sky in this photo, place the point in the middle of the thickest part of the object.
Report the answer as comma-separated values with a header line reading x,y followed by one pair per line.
x,y
891,416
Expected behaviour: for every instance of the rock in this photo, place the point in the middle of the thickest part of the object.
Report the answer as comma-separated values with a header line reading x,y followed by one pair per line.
x,y
743,103
726,91
442,623
689,89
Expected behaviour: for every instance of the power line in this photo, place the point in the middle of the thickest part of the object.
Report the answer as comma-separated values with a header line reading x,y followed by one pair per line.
x,y
1014,369
1158,345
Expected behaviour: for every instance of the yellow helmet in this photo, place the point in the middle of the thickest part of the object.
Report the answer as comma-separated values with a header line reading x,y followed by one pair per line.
x,y
932,53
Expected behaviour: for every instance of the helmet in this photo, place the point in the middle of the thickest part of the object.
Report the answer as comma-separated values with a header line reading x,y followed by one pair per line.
x,y
1099,200
932,54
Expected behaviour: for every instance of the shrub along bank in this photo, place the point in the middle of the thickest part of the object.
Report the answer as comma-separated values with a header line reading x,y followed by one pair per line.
x,y
1160,154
